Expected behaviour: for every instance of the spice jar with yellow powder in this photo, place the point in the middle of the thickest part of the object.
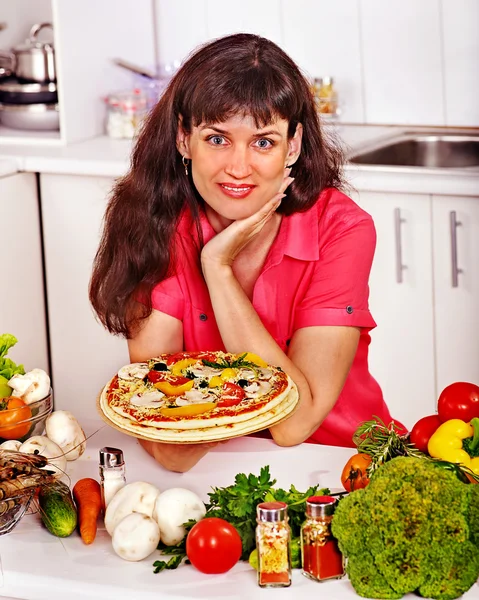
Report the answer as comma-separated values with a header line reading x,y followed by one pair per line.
x,y
273,537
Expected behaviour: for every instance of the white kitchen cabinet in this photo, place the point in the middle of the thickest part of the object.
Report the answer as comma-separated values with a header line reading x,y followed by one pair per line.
x,y
22,299
401,302
456,242
84,354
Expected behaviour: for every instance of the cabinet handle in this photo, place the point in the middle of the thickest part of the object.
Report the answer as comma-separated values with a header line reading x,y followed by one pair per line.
x,y
398,221
454,224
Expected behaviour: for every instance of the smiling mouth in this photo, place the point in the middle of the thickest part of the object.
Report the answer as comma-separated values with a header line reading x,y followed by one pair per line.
x,y
237,188
236,191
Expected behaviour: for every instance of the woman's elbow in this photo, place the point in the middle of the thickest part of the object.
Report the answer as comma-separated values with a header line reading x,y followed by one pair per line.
x,y
285,438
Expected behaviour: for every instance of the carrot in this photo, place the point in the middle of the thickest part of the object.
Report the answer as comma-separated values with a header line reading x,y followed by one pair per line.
x,y
87,494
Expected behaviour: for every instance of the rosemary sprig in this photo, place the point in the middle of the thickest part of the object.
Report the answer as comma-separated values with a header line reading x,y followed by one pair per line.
x,y
383,442
223,363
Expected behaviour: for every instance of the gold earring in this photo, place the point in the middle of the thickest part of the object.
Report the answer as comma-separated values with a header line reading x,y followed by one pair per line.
x,y
186,162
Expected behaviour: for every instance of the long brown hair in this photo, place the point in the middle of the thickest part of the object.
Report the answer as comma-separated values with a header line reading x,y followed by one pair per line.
x,y
241,73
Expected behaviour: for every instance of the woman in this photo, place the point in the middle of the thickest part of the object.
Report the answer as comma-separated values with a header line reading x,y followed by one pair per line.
x,y
230,233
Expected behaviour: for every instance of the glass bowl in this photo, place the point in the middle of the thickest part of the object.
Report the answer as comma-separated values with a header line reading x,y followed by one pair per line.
x,y
13,509
20,424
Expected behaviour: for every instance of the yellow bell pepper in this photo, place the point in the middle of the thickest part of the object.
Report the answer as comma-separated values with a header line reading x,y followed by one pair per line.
x,y
181,365
174,390
215,381
255,359
228,374
446,443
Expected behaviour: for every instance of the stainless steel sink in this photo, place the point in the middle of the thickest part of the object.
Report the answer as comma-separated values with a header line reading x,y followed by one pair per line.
x,y
443,151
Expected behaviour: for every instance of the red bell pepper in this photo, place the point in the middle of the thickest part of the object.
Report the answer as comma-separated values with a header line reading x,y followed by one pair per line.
x,y
459,400
423,430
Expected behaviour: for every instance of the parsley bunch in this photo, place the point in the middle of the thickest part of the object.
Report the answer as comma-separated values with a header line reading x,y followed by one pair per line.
x,y
237,505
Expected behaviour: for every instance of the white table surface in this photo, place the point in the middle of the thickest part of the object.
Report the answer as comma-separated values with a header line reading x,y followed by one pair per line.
x,y
36,565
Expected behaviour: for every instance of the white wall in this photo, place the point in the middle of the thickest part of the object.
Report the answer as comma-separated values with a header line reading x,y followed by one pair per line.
x,y
20,15
394,61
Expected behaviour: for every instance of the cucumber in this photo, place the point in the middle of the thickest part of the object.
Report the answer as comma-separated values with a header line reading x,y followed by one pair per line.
x,y
57,509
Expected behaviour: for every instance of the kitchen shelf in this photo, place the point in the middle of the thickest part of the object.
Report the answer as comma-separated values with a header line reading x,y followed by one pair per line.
x,y
26,137
84,51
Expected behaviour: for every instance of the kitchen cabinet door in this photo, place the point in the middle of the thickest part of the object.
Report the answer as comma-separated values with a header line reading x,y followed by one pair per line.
x,y
84,355
401,302
456,288
22,299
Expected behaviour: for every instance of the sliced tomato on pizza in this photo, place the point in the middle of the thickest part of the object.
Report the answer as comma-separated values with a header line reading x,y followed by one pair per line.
x,y
231,394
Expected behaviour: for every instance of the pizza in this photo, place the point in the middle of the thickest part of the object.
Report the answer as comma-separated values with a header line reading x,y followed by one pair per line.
x,y
194,397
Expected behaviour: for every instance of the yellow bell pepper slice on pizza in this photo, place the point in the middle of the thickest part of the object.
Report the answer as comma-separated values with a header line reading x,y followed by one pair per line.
x,y
174,390
215,381
181,365
255,359
189,410
228,374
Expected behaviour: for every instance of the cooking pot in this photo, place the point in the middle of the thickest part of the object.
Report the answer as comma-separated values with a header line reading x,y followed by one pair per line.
x,y
34,60
14,92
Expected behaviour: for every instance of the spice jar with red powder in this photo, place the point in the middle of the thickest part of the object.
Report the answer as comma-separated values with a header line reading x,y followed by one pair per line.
x,y
273,537
321,557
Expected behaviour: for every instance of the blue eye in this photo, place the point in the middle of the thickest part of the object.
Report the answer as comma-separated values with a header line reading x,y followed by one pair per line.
x,y
216,140
264,143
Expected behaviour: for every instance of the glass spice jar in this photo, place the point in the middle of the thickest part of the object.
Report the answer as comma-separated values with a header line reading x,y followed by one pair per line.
x,y
273,538
320,554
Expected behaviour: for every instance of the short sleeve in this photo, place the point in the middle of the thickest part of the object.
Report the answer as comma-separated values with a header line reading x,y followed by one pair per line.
x,y
167,297
339,291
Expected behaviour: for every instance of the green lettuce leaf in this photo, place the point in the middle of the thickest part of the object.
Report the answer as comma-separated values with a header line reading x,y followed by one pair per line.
x,y
7,367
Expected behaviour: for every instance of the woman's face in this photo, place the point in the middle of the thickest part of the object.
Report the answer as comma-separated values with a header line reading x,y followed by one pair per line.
x,y
237,167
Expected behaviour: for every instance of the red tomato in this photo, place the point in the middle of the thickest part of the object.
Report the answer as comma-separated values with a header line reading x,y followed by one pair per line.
x,y
232,394
459,400
156,376
14,418
198,355
422,431
355,472
213,545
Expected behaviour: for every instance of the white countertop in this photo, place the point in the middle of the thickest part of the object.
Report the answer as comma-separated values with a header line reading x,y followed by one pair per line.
x,y
106,157
38,566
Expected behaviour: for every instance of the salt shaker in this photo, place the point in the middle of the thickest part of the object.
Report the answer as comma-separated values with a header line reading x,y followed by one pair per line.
x,y
112,473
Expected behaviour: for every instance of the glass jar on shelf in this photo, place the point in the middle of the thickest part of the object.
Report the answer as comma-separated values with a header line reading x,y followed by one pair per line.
x,y
125,112
326,96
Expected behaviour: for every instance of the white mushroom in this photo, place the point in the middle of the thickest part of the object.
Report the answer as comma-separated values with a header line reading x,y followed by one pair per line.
x,y
63,429
11,445
136,497
40,444
135,537
173,508
32,386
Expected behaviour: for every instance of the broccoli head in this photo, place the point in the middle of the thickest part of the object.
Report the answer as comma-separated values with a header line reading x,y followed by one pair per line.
x,y
415,528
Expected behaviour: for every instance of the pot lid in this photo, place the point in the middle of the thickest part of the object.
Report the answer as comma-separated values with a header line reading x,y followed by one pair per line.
x,y
32,43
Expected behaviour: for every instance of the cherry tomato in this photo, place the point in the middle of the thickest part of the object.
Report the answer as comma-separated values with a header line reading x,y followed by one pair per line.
x,y
213,545
459,400
422,431
355,475
232,394
14,415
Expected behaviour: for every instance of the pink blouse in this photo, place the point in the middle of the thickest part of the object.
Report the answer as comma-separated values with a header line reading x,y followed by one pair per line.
x,y
316,273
